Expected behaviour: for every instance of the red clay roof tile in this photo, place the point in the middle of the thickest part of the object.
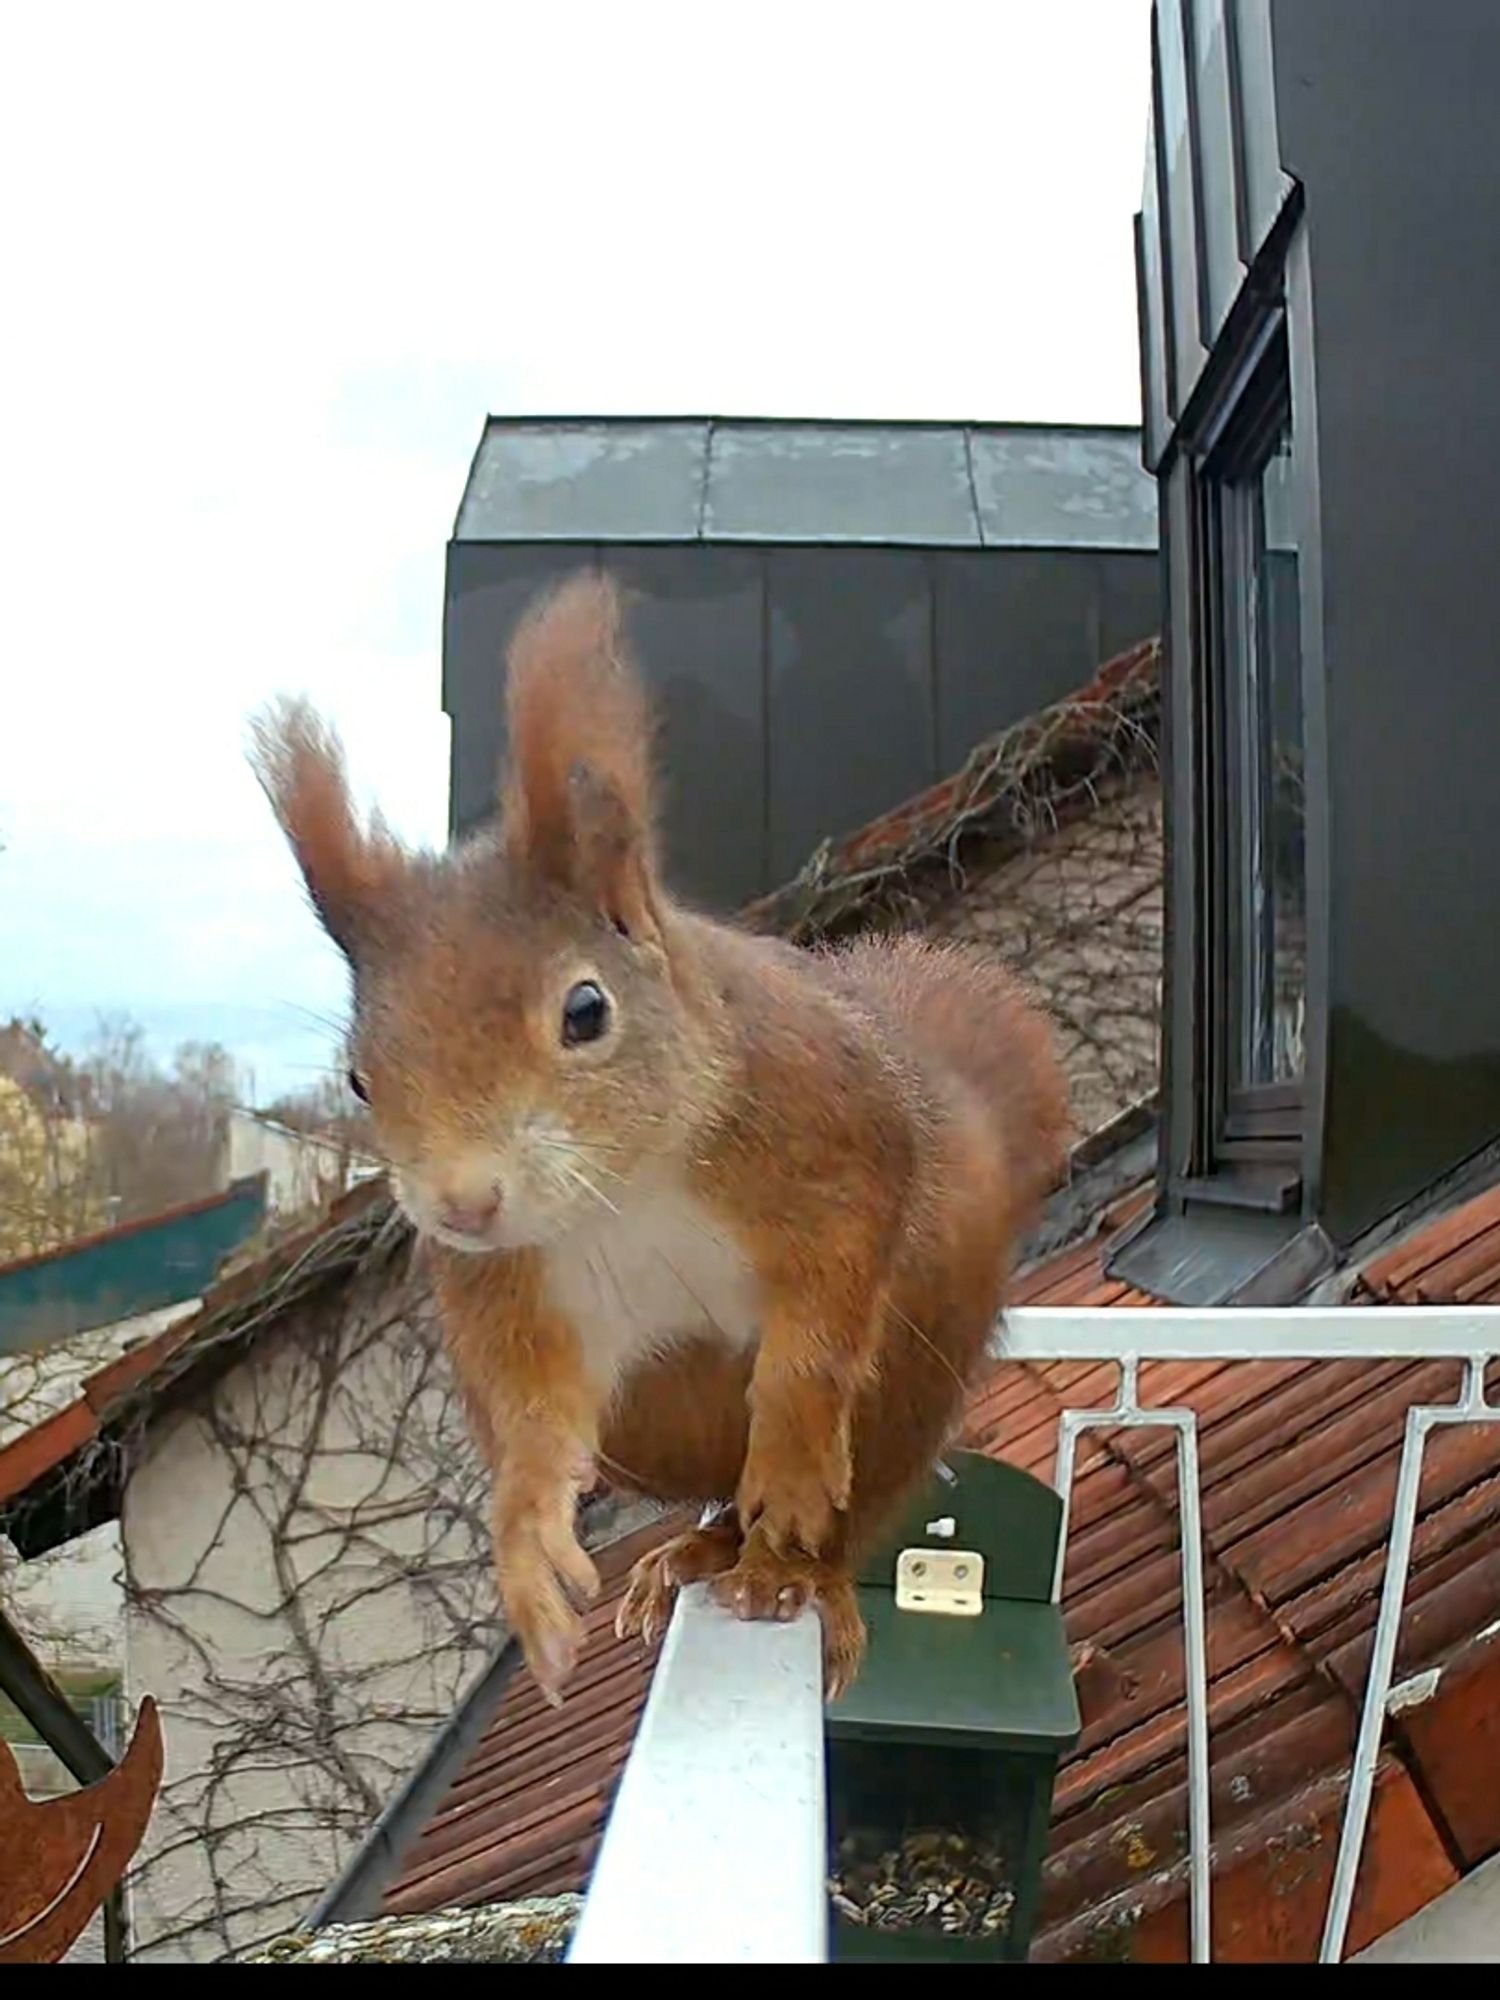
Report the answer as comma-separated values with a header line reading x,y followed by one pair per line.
x,y
1392,1276
526,1810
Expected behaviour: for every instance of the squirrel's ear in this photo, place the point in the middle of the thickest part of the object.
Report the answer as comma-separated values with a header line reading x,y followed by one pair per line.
x,y
577,796
612,865
348,872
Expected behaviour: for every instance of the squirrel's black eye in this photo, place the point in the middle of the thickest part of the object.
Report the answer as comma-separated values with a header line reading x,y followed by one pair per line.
x,y
357,1085
585,1014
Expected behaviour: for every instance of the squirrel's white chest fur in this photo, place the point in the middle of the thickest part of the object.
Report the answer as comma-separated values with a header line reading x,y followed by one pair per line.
x,y
661,1270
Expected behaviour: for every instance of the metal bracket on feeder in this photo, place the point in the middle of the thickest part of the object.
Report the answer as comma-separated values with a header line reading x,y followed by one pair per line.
x,y
947,1582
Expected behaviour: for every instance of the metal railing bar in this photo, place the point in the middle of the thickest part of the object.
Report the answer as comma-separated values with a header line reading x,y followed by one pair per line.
x,y
1195,1641
1247,1333
726,1775
1130,1336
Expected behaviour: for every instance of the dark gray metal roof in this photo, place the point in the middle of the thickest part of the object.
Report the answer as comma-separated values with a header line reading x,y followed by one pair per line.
x,y
691,479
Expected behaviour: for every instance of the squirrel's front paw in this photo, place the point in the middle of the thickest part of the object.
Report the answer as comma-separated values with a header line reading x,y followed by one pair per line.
x,y
547,1626
545,1576
767,1583
798,1469
571,1563
660,1574
793,1509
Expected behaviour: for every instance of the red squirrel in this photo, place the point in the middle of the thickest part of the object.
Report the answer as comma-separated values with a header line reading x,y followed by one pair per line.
x,y
724,1219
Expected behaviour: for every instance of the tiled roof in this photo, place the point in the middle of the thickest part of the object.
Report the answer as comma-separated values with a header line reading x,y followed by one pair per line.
x,y
1454,1261
1298,1474
524,1815
1298,1469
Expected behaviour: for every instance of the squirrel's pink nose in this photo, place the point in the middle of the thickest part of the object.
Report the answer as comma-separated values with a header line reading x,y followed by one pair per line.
x,y
470,1218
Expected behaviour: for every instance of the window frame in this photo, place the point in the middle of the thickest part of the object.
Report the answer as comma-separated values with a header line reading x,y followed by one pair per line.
x,y
1250,1137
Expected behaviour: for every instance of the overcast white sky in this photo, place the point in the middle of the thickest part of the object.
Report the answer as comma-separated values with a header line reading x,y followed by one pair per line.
x,y
266,269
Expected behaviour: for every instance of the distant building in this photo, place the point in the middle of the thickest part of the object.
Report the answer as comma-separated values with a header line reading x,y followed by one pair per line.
x,y
69,1319
303,1170
831,615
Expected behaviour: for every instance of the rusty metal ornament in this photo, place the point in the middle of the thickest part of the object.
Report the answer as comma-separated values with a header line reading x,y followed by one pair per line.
x,y
60,1858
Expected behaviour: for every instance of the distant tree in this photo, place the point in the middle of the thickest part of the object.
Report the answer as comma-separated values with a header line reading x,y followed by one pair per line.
x,y
83,1144
158,1134
107,1138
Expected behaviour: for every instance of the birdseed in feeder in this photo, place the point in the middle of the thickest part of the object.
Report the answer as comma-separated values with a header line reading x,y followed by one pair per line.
x,y
930,1880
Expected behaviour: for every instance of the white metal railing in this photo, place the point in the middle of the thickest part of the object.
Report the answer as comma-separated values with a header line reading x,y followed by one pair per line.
x,y
1132,1335
716,1852
728,1760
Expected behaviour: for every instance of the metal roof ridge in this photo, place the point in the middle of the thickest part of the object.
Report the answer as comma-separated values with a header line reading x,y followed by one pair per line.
x,y
711,420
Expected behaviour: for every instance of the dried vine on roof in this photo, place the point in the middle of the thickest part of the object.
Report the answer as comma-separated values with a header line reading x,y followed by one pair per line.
x,y
1015,786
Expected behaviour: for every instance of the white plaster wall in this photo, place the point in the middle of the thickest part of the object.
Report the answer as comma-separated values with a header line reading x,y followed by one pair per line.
x,y
310,1593
69,1603
301,1170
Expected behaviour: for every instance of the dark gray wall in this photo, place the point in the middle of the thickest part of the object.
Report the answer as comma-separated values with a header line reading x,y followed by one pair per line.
x,y
852,705
1338,157
1387,113
702,624
804,690
487,591
1036,625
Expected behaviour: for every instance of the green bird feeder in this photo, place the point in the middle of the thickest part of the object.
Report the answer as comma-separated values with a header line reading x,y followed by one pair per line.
x,y
942,1755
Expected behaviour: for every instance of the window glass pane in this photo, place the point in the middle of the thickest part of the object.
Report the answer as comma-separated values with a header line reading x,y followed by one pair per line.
x,y
1271,931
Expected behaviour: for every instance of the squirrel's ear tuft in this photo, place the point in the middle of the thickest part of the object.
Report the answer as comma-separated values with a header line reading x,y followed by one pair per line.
x,y
300,764
614,870
577,798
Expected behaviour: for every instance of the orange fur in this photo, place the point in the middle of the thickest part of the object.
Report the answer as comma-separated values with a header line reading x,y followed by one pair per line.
x,y
841,1147
301,767
579,733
